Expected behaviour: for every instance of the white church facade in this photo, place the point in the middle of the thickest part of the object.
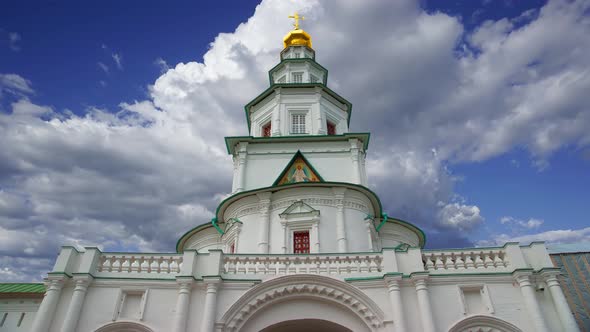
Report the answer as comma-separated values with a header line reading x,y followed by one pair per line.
x,y
301,244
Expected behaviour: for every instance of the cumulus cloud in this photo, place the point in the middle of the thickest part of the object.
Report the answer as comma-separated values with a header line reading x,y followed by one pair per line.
x,y
551,237
430,92
15,84
532,223
118,58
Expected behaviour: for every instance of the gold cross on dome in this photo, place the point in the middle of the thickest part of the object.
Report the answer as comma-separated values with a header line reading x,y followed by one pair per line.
x,y
296,17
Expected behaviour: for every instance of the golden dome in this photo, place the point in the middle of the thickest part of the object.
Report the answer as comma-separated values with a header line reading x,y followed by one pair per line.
x,y
297,38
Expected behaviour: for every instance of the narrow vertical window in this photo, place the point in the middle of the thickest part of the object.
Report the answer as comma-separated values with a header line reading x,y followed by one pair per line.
x,y
3,319
331,128
298,124
20,321
232,248
301,242
297,77
266,130
297,55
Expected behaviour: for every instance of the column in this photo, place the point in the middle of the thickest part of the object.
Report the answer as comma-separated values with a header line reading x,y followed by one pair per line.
x,y
354,155
369,225
568,323
76,304
182,305
284,238
242,153
315,235
46,311
424,303
320,122
208,322
530,301
395,298
264,208
340,222
234,184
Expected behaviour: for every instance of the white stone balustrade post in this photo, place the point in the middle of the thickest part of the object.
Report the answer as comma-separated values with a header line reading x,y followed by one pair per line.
x,y
210,311
264,208
340,222
75,307
424,305
182,304
395,298
44,316
530,301
568,323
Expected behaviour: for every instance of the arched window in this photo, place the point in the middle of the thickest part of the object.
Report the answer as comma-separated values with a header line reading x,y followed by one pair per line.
x,y
483,323
124,327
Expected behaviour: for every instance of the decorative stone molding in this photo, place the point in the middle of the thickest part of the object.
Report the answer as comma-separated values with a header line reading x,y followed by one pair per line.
x,y
482,323
124,326
323,288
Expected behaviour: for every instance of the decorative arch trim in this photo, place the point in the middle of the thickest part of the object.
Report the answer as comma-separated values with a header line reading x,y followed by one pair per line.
x,y
302,286
126,326
483,323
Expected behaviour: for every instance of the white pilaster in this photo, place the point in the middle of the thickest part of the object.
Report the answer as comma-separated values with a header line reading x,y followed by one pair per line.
x,y
182,305
75,307
368,226
319,122
568,323
264,208
315,238
355,156
284,239
395,298
340,222
424,303
208,322
44,316
530,301
242,154
276,114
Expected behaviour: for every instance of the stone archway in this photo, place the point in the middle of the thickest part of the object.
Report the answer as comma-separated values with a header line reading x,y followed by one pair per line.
x,y
306,325
293,293
482,323
124,327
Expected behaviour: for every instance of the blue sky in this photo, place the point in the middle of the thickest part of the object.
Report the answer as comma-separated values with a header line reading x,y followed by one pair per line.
x,y
477,109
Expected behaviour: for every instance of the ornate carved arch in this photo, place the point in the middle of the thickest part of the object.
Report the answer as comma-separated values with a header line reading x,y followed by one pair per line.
x,y
124,326
482,323
294,286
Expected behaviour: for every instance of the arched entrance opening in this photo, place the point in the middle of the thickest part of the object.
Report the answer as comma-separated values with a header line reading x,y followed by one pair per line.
x,y
315,325
304,299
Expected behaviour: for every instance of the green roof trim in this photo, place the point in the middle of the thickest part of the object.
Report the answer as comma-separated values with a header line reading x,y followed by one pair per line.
x,y
415,229
231,141
290,163
37,288
273,87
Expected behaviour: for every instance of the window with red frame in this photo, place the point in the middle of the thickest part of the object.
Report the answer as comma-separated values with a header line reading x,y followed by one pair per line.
x,y
266,130
301,242
331,128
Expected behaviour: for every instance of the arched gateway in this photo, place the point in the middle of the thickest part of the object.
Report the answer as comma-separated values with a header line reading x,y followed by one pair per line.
x,y
303,300
124,327
483,323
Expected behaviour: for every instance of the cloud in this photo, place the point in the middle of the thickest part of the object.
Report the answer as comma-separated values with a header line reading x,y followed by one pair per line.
x,y
162,64
431,94
118,58
13,40
528,224
102,66
551,237
15,85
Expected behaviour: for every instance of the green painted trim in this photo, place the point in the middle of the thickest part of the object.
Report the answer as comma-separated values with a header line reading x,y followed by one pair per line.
x,y
288,47
231,141
312,61
214,223
59,273
273,87
383,221
415,229
290,163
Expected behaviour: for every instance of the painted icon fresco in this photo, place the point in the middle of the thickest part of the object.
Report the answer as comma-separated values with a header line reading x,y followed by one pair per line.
x,y
299,171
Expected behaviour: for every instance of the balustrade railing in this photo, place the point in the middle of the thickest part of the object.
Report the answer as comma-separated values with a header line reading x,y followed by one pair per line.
x,y
465,260
308,264
139,263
